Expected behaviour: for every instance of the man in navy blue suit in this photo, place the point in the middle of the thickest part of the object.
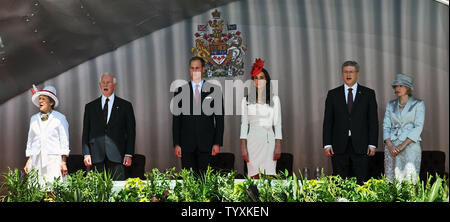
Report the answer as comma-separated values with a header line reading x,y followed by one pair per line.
x,y
198,133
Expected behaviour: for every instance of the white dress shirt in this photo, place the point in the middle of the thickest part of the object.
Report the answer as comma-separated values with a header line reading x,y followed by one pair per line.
x,y
199,86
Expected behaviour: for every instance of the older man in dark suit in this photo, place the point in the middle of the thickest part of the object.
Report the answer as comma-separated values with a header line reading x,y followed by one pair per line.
x,y
109,131
350,126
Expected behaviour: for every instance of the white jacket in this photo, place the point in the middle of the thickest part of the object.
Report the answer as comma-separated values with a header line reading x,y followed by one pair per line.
x,y
53,139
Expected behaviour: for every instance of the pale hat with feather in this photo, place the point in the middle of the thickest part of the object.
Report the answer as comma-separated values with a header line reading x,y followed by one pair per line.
x,y
49,91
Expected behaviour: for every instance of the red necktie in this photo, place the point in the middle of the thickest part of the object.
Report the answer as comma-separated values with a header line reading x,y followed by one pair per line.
x,y
350,100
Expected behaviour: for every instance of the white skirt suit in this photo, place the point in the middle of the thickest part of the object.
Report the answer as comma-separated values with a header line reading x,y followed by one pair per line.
x,y
47,142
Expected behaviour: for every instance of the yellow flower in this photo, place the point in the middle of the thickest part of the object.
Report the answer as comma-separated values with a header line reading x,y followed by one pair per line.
x,y
312,184
49,199
134,183
144,200
238,187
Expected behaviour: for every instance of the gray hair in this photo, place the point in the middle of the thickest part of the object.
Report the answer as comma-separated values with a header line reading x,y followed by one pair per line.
x,y
109,74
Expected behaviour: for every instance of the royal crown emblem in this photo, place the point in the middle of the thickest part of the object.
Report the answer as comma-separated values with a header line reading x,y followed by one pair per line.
x,y
220,45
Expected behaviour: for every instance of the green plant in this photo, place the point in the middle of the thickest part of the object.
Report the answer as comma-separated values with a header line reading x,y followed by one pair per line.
x,y
22,187
377,190
216,186
438,192
226,187
158,184
197,188
94,187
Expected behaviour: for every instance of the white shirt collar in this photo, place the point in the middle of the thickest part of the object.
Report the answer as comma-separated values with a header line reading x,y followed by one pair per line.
x,y
354,87
111,99
200,85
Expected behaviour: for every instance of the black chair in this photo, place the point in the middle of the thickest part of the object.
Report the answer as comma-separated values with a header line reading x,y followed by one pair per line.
x,y
376,165
284,163
223,162
432,162
74,163
137,168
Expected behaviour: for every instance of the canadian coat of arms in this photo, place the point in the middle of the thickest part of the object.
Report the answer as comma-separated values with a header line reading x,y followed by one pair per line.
x,y
220,45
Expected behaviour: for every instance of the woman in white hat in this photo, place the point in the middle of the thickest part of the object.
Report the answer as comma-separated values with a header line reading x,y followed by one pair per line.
x,y
402,126
48,137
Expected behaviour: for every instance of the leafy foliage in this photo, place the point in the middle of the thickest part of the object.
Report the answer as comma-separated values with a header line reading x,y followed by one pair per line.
x,y
211,186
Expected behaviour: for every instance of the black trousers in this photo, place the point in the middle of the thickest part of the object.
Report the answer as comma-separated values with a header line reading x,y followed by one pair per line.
x,y
117,170
198,161
351,164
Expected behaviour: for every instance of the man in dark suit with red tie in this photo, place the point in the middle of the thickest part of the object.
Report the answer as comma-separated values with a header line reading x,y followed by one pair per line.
x,y
198,129
350,126
109,131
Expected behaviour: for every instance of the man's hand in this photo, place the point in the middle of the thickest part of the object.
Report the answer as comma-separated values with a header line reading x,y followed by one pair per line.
x,y
329,152
371,151
87,161
177,151
215,149
127,161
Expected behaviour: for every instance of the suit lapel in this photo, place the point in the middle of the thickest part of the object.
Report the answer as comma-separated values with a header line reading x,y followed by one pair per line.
x,y
98,106
358,97
115,109
203,93
341,98
99,109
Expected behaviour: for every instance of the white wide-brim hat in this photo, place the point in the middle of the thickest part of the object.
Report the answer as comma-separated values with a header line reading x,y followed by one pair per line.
x,y
49,91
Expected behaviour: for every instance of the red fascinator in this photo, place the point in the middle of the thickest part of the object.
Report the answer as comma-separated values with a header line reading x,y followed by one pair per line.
x,y
257,67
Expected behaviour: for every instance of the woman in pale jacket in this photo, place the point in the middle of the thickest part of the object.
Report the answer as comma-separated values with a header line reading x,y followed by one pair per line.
x,y
48,137
402,126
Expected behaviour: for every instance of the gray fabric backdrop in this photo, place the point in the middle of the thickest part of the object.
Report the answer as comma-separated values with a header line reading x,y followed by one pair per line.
x,y
303,44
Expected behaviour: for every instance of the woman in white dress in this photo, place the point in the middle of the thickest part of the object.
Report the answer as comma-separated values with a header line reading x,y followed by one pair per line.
x,y
261,112
402,126
48,137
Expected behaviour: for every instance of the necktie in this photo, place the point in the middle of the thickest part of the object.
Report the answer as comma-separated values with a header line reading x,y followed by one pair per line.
x,y
350,100
197,93
105,110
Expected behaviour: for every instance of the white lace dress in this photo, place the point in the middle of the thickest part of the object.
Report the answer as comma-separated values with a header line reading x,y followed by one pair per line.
x,y
260,137
398,125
